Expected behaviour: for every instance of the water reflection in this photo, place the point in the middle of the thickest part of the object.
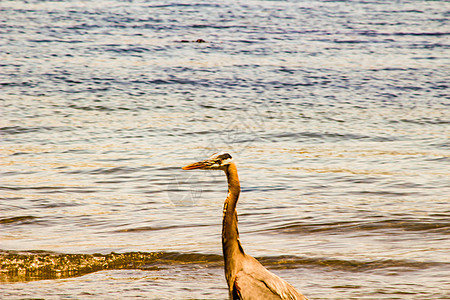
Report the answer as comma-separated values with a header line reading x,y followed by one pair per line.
x,y
335,114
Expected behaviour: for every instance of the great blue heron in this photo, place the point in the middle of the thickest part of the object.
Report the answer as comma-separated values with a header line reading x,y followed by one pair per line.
x,y
246,277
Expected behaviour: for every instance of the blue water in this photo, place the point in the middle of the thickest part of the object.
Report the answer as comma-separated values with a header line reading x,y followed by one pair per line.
x,y
337,114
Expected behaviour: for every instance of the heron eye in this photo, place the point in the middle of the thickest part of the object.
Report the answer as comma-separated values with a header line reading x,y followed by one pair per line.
x,y
225,156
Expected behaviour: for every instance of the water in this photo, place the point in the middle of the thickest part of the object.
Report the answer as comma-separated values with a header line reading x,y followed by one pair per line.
x,y
336,113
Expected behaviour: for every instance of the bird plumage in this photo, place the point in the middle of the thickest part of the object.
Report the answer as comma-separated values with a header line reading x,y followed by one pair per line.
x,y
246,277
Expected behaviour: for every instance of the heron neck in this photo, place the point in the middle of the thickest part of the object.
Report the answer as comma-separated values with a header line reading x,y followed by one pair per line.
x,y
230,235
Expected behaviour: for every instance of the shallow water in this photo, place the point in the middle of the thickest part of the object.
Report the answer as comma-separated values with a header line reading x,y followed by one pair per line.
x,y
335,112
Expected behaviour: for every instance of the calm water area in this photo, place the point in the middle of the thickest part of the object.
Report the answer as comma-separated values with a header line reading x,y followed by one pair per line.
x,y
336,113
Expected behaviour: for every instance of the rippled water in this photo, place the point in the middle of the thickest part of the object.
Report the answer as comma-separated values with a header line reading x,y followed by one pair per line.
x,y
337,114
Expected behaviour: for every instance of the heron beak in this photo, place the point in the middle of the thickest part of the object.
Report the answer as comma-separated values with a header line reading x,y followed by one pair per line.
x,y
197,165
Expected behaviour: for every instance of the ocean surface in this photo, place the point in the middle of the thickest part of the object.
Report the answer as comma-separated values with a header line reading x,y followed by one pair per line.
x,y
336,113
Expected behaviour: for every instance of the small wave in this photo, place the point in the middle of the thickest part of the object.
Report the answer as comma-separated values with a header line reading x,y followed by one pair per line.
x,y
332,136
18,266
20,130
35,188
419,33
351,41
19,219
293,262
130,49
39,265
153,228
49,189
91,108
442,226
106,171
184,5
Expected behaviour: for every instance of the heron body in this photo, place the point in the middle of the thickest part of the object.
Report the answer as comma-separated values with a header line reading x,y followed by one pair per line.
x,y
246,277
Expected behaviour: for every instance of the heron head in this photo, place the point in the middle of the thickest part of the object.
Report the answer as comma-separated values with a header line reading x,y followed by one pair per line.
x,y
217,161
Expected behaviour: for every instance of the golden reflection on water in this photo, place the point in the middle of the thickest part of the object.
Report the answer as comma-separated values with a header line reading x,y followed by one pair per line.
x,y
337,126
